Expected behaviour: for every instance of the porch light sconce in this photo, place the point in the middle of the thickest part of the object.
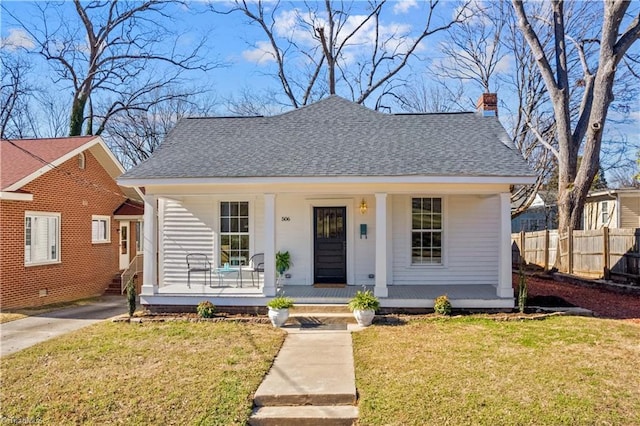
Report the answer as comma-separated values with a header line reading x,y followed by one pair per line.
x,y
363,206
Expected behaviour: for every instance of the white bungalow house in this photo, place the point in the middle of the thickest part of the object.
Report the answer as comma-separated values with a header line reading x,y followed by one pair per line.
x,y
410,205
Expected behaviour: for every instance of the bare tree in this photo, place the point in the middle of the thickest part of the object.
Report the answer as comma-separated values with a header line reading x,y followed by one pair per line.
x,y
136,134
423,97
585,133
329,49
112,54
15,88
472,51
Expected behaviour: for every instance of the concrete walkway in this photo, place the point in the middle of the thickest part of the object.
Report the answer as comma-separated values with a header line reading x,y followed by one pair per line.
x,y
312,381
20,334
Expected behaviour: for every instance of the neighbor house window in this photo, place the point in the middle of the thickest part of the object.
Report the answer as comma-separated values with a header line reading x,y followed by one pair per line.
x,y
139,240
100,229
41,238
234,232
605,213
426,230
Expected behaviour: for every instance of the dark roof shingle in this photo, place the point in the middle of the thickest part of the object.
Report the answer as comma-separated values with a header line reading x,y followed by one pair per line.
x,y
335,137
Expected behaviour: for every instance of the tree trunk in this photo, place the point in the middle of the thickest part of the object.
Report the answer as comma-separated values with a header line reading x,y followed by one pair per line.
x,y
77,115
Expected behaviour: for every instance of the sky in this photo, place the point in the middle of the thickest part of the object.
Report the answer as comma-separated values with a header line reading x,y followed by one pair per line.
x,y
241,49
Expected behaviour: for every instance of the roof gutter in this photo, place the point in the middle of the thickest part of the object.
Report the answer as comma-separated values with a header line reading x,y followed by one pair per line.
x,y
509,180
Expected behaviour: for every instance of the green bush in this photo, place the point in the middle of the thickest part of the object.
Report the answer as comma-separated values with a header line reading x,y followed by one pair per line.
x,y
364,301
206,309
442,305
280,302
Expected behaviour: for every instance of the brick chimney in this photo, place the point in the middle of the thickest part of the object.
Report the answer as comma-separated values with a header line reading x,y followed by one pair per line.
x,y
488,105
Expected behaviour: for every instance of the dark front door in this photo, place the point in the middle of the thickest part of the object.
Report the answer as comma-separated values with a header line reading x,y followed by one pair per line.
x,y
330,245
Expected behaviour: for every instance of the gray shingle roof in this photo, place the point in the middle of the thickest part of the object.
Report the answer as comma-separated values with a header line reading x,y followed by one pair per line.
x,y
335,137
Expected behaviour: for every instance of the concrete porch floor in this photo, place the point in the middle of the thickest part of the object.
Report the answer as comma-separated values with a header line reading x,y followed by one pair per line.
x,y
400,296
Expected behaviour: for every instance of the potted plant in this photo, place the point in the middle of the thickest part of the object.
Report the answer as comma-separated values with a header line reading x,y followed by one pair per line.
x,y
279,309
283,263
364,305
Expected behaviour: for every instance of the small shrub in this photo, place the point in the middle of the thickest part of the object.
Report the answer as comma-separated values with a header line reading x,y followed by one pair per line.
x,y
442,305
364,301
206,309
280,302
131,296
522,289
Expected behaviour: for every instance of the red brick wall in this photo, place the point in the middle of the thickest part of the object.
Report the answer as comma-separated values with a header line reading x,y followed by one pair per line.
x,y
85,269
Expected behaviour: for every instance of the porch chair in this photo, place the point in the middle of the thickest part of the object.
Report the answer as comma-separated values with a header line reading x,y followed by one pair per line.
x,y
256,265
198,262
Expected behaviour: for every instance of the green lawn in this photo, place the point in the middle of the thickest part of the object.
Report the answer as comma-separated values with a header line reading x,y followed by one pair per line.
x,y
140,374
473,371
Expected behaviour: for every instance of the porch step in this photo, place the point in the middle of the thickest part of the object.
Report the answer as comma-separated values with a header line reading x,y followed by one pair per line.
x,y
318,318
320,308
306,415
114,287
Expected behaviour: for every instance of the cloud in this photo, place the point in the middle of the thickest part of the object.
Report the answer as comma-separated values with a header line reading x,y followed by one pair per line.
x,y
17,38
297,26
262,54
403,6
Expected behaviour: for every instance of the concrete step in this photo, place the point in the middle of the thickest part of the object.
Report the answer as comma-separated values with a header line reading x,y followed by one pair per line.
x,y
320,308
320,318
305,415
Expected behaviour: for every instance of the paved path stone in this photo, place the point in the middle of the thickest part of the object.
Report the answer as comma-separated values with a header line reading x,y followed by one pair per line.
x,y
314,369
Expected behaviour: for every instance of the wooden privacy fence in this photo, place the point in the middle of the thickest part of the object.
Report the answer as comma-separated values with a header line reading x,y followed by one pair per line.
x,y
603,253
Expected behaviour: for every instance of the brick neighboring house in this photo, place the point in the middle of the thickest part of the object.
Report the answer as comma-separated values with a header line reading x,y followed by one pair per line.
x,y
59,238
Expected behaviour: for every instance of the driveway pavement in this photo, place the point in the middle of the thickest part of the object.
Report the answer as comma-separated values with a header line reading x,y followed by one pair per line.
x,y
22,333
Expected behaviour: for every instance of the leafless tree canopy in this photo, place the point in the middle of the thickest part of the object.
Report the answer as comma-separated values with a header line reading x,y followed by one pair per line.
x,y
113,55
329,49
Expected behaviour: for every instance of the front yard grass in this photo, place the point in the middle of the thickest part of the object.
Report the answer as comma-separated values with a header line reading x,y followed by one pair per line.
x,y
474,371
140,374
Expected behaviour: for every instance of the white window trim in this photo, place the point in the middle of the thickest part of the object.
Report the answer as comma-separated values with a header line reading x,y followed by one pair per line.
x,y
445,231
218,212
58,238
107,219
82,161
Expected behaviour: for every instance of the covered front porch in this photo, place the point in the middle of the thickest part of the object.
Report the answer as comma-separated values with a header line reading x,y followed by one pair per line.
x,y
462,296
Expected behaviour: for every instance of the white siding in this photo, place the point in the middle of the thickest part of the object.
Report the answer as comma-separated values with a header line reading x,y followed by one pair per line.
x,y
471,234
187,228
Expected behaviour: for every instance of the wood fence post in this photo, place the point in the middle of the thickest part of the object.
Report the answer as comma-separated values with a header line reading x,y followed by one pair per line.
x,y
570,250
523,238
546,250
606,252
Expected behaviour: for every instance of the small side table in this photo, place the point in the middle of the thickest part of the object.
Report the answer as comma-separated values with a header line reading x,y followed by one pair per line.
x,y
221,272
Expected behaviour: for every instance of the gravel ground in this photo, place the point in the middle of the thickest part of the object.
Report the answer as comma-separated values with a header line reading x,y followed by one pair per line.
x,y
604,303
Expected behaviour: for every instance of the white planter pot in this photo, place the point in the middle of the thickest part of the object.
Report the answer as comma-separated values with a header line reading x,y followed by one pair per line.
x,y
364,318
278,316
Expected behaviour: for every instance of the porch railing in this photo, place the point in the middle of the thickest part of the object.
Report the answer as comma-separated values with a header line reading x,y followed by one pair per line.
x,y
134,268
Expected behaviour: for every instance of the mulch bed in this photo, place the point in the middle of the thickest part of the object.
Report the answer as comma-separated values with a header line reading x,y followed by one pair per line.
x,y
603,302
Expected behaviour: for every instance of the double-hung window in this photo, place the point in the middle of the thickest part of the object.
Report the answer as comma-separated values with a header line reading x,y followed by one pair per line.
x,y
100,229
41,238
234,232
426,231
605,213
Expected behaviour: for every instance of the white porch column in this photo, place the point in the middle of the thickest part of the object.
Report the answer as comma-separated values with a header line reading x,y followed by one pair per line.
x,y
150,247
505,288
381,289
269,288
